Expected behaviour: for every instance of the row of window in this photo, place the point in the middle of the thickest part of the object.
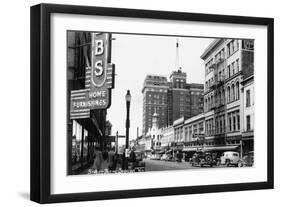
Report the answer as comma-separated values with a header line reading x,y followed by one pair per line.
x,y
157,102
189,131
214,126
157,90
232,69
150,96
218,125
218,99
231,48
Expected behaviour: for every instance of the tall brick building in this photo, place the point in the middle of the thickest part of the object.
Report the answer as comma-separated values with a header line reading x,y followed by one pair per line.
x,y
154,100
170,99
184,99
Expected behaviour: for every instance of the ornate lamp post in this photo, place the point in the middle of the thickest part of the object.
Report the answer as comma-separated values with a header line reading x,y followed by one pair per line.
x,y
128,102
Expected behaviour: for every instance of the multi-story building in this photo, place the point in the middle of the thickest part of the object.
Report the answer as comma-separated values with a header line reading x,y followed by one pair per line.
x,y
194,129
189,134
178,98
178,130
248,116
171,100
167,137
196,98
248,97
154,100
184,99
90,131
225,63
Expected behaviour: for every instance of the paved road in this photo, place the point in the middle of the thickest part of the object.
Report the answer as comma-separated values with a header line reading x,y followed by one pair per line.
x,y
158,165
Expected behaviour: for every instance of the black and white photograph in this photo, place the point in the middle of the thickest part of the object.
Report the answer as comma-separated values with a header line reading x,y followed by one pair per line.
x,y
138,103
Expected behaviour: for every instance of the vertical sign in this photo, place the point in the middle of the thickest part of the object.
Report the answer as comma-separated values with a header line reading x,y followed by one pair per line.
x,y
99,80
101,71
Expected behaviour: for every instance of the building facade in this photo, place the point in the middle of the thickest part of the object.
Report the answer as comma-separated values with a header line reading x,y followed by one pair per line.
x,y
249,115
89,131
154,91
227,62
184,99
189,134
167,137
171,99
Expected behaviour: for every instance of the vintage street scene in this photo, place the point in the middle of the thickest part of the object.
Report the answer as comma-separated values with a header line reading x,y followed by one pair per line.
x,y
142,103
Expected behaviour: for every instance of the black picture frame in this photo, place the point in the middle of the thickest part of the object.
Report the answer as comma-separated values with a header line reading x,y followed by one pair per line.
x,y
40,102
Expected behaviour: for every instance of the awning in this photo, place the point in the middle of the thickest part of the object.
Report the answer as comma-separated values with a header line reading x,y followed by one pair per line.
x,y
95,122
232,147
190,149
161,152
193,149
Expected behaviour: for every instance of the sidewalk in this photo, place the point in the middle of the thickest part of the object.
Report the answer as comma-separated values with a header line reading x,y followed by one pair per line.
x,y
104,167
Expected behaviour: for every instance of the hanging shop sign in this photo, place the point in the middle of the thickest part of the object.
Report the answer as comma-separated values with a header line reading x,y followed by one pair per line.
x,y
99,80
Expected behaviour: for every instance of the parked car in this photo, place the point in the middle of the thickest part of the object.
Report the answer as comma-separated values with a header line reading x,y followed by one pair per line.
x,y
164,157
247,160
155,157
202,158
170,157
230,158
139,164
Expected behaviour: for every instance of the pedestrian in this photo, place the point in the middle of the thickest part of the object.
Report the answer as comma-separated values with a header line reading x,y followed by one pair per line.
x,y
112,159
97,158
123,160
132,158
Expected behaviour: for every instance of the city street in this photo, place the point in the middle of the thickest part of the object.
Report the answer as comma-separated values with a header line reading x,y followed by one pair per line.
x,y
158,165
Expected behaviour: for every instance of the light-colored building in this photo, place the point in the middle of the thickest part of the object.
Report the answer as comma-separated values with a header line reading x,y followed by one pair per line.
x,y
167,136
189,133
145,143
152,139
248,114
226,63
178,130
194,128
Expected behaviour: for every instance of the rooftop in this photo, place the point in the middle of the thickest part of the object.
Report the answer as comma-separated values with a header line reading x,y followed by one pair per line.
x,y
211,47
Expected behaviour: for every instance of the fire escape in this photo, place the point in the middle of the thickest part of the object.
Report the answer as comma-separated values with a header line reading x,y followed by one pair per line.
x,y
219,103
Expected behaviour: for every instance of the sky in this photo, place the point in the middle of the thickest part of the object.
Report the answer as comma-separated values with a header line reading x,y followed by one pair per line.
x,y
134,57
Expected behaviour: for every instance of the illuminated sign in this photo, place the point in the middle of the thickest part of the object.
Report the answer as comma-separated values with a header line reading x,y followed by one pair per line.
x,y
99,80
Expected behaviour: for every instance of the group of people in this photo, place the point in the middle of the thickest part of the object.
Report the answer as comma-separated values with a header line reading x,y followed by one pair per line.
x,y
104,159
110,160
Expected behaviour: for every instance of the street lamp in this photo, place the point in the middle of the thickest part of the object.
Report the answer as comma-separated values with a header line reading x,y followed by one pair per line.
x,y
128,101
128,98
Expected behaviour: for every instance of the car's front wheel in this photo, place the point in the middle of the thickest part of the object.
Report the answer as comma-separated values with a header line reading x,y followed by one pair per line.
x,y
227,163
240,164
218,163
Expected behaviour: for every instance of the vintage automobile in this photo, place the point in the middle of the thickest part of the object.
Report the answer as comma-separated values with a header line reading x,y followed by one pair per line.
x,y
247,160
229,158
202,158
164,157
139,164
155,156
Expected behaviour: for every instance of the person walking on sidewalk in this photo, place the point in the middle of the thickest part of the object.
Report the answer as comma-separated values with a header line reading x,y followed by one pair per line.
x,y
112,159
97,159
132,158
